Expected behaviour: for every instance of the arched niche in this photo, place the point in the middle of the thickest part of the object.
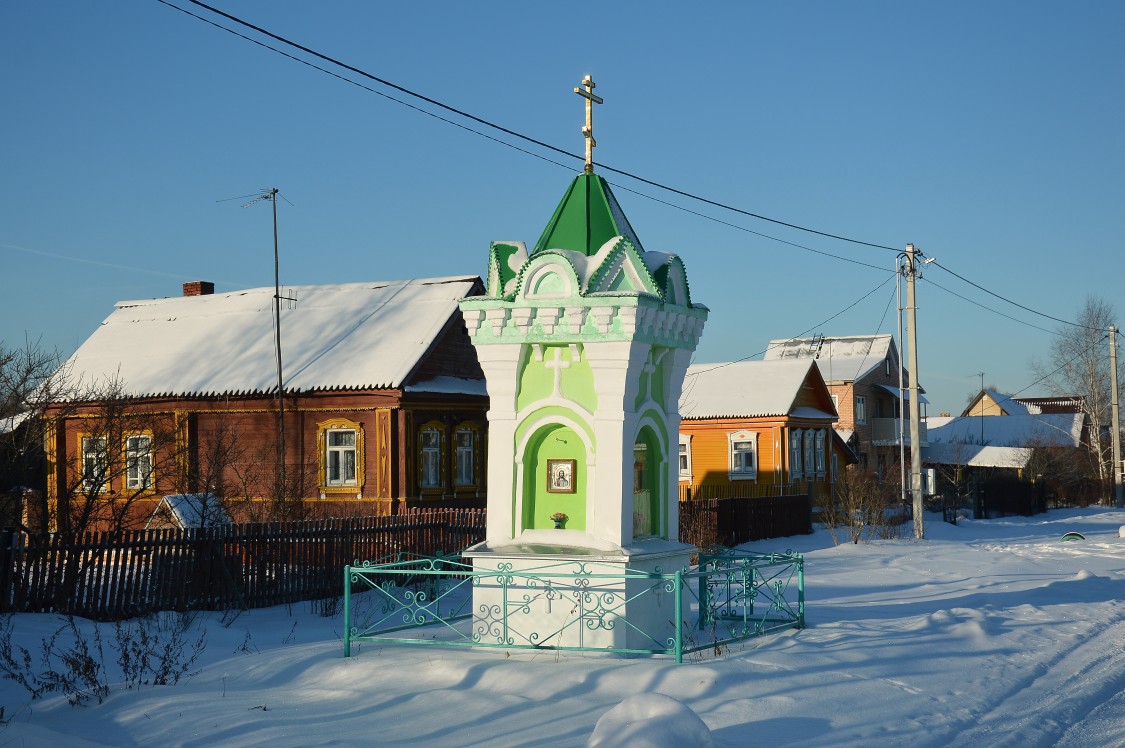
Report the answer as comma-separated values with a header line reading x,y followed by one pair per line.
x,y
555,477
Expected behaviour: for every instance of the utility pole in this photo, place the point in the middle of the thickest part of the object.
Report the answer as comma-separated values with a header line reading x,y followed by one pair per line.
x,y
271,195
1115,422
981,373
911,266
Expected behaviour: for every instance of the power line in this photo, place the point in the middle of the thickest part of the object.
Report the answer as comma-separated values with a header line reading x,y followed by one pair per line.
x,y
1013,303
743,228
1070,361
806,332
990,309
487,123
562,152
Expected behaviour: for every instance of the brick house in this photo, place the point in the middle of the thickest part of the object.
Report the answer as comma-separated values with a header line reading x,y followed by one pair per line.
x,y
862,375
384,404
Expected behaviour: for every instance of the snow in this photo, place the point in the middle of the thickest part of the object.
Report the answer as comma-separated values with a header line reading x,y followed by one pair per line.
x,y
744,389
1047,430
987,633
846,359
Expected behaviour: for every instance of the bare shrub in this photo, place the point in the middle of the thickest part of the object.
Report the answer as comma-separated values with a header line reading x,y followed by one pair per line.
x,y
861,507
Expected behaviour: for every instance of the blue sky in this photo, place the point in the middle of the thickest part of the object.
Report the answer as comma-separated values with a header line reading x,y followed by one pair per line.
x,y
987,134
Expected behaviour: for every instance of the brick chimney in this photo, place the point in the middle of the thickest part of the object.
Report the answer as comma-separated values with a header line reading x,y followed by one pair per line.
x,y
199,288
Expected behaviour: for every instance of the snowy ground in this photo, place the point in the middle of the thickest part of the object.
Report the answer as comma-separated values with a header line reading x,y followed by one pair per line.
x,y
989,633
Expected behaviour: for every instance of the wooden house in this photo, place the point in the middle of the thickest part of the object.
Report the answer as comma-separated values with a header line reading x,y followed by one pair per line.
x,y
863,376
383,404
754,426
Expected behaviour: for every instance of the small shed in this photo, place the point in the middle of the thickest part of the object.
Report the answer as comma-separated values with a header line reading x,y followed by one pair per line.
x,y
188,511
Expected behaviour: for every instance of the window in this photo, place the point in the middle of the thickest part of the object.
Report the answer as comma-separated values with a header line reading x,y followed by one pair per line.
x,y
340,445
464,441
819,438
685,457
810,453
95,463
860,409
430,463
796,466
836,403
743,455
138,463
340,458
835,466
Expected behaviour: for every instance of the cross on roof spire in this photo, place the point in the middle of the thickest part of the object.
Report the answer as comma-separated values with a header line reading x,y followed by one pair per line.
x,y
588,130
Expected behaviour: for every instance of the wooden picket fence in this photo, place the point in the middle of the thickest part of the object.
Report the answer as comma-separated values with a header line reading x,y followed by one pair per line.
x,y
739,519
112,576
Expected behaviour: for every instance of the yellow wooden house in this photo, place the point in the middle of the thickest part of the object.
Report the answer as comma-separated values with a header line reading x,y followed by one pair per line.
x,y
753,427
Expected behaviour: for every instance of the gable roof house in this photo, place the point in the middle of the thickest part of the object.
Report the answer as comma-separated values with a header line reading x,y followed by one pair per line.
x,y
758,425
1012,444
862,373
384,404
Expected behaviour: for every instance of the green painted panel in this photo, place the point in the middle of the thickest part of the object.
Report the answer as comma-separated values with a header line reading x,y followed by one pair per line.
x,y
578,382
648,486
659,379
535,380
576,378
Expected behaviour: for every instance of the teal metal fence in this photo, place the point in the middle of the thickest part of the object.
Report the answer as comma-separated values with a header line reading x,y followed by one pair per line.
x,y
728,597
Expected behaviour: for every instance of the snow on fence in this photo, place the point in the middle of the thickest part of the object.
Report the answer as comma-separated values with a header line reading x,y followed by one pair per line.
x,y
109,576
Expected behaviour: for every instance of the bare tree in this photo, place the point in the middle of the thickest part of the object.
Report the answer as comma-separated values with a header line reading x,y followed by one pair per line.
x,y
25,373
1078,364
111,455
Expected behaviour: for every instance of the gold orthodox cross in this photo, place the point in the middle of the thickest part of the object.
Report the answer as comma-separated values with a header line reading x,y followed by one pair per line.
x,y
588,94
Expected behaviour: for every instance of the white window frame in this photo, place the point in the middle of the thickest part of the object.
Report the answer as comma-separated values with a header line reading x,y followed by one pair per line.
x,y
796,455
684,457
335,459
464,472
738,469
820,436
95,463
836,403
861,409
429,459
138,462
810,452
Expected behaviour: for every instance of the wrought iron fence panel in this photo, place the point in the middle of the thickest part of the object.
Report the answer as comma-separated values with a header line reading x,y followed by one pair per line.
x,y
574,605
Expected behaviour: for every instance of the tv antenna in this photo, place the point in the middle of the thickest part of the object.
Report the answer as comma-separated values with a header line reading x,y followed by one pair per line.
x,y
271,194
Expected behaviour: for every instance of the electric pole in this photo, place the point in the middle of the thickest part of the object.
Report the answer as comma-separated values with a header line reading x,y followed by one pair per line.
x,y
1115,422
271,195
911,267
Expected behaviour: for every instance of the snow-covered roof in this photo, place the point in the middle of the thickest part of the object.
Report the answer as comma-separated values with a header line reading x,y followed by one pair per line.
x,y
8,425
450,385
746,389
194,509
1047,430
905,393
345,336
845,359
975,455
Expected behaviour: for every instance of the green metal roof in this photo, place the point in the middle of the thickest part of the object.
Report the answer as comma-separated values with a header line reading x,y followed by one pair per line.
x,y
587,217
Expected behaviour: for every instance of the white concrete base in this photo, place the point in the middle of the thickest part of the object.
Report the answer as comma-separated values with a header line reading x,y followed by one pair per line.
x,y
530,594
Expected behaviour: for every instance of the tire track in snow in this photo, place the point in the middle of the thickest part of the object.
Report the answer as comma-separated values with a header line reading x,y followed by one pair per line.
x,y
1045,706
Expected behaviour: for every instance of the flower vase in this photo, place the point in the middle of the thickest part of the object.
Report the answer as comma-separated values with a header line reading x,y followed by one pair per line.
x,y
558,524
